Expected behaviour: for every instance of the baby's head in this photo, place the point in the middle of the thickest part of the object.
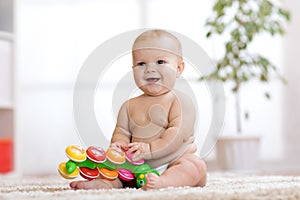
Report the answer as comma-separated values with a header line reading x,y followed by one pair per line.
x,y
157,61
158,39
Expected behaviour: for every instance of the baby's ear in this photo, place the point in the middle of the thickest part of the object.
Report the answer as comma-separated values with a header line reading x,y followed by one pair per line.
x,y
180,68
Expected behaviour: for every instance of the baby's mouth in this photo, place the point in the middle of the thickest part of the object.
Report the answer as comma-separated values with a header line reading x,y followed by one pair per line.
x,y
152,80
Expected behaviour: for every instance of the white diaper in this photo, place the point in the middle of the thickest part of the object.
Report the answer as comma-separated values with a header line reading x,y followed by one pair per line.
x,y
162,169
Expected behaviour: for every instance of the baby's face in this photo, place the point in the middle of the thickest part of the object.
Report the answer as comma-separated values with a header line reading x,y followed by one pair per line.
x,y
155,71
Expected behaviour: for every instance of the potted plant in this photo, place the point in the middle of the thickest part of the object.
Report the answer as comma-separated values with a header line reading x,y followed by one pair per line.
x,y
239,22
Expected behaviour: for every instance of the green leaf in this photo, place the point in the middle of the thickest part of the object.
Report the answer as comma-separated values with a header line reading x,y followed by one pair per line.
x,y
219,8
210,23
228,47
281,31
267,95
283,80
264,62
245,77
263,78
208,34
272,31
247,115
285,14
220,28
202,78
265,8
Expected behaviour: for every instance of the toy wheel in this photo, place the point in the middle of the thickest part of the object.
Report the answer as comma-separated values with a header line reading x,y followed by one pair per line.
x,y
108,174
129,158
96,154
125,175
115,156
76,153
88,173
64,173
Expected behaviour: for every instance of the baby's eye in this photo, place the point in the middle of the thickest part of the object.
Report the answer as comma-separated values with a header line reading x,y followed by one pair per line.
x,y
160,62
142,64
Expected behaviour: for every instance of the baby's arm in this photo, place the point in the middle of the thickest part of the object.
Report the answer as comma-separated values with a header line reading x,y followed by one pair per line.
x,y
121,135
179,130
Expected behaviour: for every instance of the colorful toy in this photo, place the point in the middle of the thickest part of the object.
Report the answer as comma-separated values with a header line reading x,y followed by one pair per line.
x,y
109,165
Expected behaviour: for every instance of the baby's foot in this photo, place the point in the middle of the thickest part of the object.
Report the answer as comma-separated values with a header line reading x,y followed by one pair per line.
x,y
88,185
153,182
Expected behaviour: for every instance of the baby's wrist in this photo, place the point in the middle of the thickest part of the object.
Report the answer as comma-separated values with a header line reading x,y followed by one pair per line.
x,y
148,154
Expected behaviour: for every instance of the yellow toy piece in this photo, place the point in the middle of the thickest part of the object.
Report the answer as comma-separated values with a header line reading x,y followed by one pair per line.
x,y
64,173
76,153
141,176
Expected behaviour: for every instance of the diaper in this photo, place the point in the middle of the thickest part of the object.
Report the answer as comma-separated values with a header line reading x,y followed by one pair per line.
x,y
162,169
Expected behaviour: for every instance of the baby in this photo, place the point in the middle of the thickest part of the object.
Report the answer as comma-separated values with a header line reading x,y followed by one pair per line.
x,y
158,125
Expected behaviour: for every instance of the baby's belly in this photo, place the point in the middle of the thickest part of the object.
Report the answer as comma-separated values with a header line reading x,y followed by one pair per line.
x,y
186,148
146,133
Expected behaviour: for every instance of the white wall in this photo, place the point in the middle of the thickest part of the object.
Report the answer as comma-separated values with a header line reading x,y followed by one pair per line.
x,y
53,38
291,114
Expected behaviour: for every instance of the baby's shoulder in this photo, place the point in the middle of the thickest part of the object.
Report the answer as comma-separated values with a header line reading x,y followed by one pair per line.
x,y
185,102
182,97
136,99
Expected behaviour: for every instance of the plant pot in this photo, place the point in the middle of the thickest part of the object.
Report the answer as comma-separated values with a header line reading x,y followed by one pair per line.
x,y
238,153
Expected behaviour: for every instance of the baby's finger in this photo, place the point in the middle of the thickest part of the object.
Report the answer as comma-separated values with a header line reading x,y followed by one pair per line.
x,y
137,156
132,149
116,148
132,144
125,148
115,145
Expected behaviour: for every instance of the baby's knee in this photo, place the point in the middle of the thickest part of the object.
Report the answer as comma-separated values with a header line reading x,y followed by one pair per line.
x,y
200,170
203,172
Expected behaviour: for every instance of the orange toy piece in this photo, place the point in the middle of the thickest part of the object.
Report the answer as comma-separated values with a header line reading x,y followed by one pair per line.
x,y
108,174
116,157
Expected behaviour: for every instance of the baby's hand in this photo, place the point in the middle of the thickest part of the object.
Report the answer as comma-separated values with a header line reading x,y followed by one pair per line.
x,y
140,150
118,146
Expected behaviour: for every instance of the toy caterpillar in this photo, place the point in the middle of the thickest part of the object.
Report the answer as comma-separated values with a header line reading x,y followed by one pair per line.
x,y
95,162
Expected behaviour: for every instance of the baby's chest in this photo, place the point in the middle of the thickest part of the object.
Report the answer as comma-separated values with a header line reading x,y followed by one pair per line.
x,y
147,114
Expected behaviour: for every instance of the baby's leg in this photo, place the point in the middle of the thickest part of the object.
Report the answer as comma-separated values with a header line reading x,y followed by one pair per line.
x,y
188,170
96,184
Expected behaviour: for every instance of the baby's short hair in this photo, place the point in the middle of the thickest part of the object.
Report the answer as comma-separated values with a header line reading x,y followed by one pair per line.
x,y
159,33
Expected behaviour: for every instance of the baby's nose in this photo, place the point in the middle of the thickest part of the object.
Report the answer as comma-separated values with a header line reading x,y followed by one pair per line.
x,y
151,67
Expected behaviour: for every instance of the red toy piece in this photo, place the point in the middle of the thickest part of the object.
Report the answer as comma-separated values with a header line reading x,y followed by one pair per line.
x,y
96,154
89,174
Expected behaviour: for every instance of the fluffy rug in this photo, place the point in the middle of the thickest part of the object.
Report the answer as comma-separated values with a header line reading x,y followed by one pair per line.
x,y
219,186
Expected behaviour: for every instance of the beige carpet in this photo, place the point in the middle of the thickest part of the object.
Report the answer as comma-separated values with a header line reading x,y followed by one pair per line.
x,y
219,186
